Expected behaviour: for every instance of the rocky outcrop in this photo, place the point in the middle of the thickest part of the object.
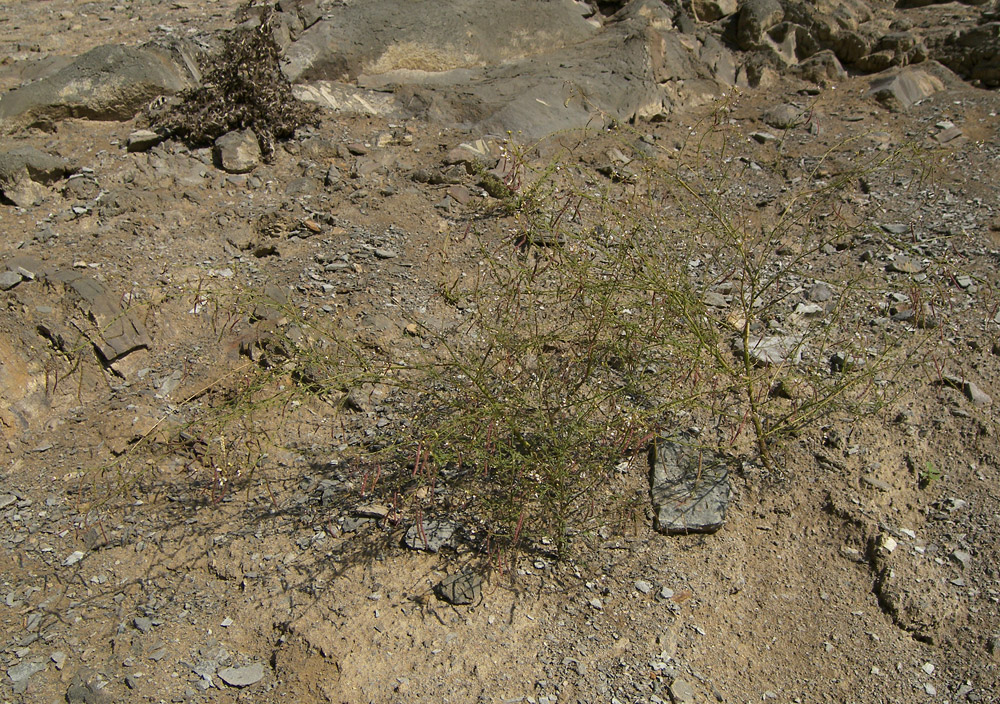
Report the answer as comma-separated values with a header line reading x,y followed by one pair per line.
x,y
552,69
107,83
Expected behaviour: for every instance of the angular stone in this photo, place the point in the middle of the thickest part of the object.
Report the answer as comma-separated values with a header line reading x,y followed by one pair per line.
x,y
107,83
23,192
142,140
712,10
784,116
9,279
821,68
773,350
87,688
681,692
22,671
237,152
689,488
461,588
903,264
39,166
113,331
429,535
242,676
969,388
755,19
902,89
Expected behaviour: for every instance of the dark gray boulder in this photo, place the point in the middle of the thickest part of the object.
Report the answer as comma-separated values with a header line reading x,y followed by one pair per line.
x,y
107,83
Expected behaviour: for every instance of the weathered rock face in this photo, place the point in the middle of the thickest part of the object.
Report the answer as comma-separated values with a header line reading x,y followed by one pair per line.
x,y
375,37
24,171
974,53
107,83
901,89
552,69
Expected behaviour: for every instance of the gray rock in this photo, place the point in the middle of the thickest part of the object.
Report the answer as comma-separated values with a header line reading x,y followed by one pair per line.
x,y
900,90
643,586
142,140
903,264
821,68
107,83
763,137
9,279
143,624
820,293
681,692
784,116
993,644
87,688
39,166
20,673
114,332
712,10
969,389
242,676
689,488
841,363
755,19
773,350
429,535
462,588
895,228
23,171
438,60
23,192
373,37
237,152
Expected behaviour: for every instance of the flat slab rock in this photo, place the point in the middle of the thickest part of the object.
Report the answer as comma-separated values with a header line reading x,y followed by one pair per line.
x,y
242,676
689,488
461,588
429,535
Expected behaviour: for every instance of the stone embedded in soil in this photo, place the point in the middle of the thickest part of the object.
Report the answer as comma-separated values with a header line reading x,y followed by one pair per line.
x,y
378,511
690,488
9,279
242,676
429,535
87,688
237,152
900,90
20,673
142,140
773,350
969,389
903,264
114,332
681,692
462,588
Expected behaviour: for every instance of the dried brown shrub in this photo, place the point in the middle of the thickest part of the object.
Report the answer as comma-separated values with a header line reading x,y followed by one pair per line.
x,y
243,88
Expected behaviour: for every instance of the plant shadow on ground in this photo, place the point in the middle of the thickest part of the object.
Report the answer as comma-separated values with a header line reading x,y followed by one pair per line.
x,y
674,291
